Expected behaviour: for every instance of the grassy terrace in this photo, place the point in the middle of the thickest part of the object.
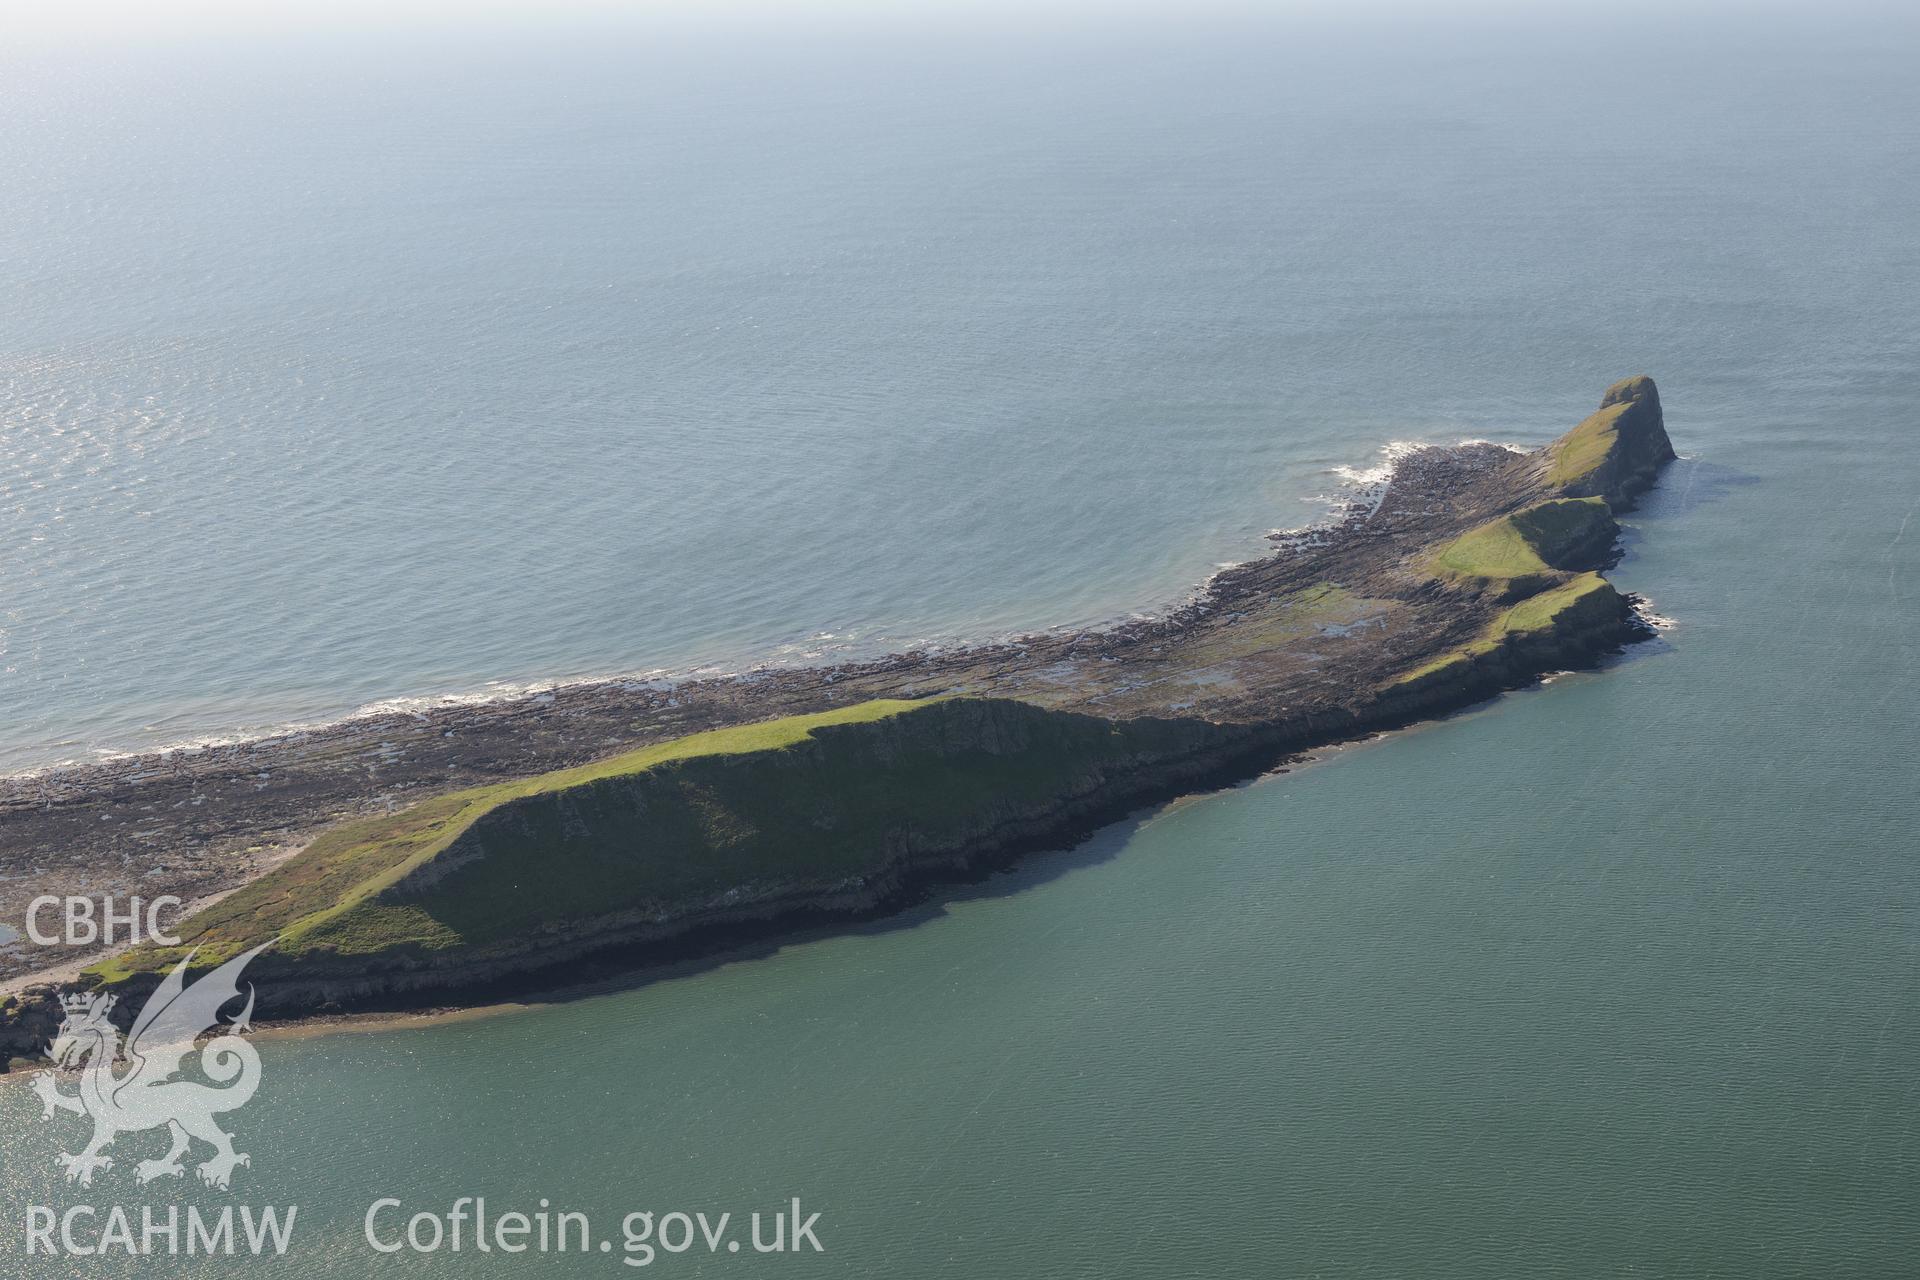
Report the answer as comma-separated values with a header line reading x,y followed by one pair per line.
x,y
1531,543
1496,550
1531,619
1537,615
1584,448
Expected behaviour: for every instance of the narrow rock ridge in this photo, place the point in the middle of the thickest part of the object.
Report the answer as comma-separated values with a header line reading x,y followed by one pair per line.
x,y
1474,572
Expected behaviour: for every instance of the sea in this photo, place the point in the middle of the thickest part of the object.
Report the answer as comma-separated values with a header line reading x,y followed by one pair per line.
x,y
367,365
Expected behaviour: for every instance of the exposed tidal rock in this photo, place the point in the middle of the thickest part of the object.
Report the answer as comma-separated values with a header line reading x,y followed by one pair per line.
x,y
446,852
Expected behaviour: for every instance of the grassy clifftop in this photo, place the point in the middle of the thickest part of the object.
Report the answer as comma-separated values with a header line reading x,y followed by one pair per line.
x,y
1530,545
1583,603
1538,562
1618,450
353,863
799,804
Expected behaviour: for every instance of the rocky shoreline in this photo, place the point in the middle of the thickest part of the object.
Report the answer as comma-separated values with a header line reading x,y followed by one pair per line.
x,y
1311,644
618,949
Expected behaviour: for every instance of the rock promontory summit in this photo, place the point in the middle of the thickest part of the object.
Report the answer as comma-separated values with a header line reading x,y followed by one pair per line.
x,y
444,857
1617,453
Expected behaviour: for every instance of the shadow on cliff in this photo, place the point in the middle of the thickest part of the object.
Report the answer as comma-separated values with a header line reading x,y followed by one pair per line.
x,y
632,968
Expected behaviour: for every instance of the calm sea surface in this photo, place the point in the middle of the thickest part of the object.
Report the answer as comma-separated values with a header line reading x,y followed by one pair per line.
x,y
354,370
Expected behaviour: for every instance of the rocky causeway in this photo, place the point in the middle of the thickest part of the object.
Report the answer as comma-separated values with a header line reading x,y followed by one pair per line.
x,y
1473,568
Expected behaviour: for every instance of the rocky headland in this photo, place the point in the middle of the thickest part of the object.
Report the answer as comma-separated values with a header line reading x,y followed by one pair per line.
x,y
430,858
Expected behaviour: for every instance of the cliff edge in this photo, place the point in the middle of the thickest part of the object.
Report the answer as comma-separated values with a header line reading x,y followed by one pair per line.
x,y
1616,453
800,794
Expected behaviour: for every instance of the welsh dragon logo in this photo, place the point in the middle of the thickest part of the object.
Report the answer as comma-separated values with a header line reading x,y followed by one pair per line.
x,y
149,1094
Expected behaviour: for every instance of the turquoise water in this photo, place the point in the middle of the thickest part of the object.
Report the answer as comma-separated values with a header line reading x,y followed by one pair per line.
x,y
1610,977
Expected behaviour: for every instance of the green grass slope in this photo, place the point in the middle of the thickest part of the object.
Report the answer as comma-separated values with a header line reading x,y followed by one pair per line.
x,y
1496,550
1581,452
1536,561
1529,548
1617,450
1537,615
1583,601
803,803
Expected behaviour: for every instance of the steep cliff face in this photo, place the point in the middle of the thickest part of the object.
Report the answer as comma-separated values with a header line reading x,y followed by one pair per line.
x,y
1568,625
837,820
1617,452
837,808
1531,550
1569,533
